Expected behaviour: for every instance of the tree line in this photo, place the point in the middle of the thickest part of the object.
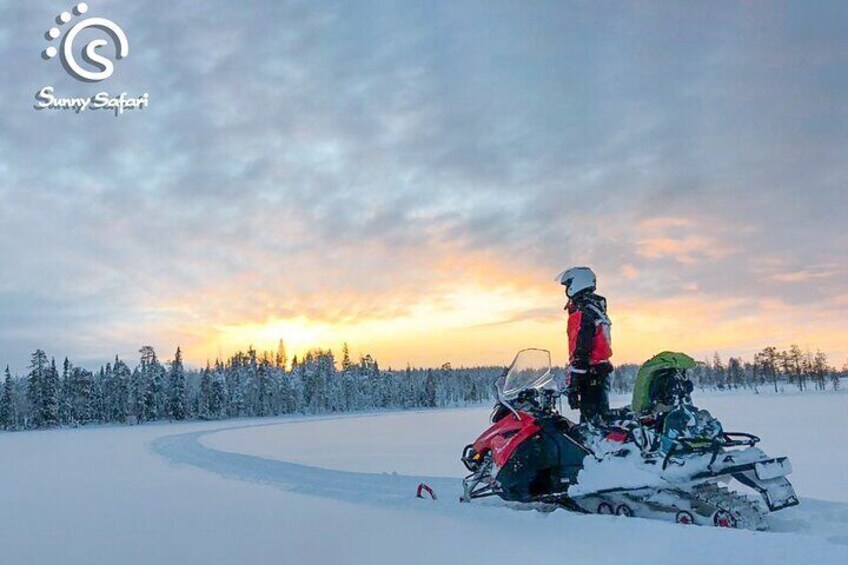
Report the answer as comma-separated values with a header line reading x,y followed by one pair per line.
x,y
771,368
250,384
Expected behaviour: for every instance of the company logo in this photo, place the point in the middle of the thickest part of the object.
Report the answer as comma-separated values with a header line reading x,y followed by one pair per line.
x,y
94,66
104,66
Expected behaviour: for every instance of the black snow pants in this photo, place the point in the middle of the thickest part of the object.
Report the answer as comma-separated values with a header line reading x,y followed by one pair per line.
x,y
593,387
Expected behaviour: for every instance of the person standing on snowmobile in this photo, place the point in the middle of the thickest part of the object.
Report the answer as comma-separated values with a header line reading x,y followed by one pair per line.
x,y
589,344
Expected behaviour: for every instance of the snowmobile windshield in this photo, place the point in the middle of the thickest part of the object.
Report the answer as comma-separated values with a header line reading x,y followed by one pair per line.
x,y
531,369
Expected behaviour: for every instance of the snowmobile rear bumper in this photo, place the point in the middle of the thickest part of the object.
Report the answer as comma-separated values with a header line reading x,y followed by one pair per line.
x,y
767,476
777,492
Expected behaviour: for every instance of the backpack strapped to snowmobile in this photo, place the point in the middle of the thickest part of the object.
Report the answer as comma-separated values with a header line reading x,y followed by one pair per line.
x,y
661,382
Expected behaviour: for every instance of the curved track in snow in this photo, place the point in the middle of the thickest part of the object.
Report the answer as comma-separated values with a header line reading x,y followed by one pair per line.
x,y
373,488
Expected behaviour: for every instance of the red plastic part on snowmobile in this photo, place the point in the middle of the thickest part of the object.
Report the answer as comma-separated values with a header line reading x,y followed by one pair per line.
x,y
424,487
617,435
503,437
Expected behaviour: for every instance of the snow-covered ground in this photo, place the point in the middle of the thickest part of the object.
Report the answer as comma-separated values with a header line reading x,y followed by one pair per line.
x,y
323,490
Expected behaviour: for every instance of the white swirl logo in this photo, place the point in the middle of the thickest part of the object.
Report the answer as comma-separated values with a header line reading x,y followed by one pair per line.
x,y
104,65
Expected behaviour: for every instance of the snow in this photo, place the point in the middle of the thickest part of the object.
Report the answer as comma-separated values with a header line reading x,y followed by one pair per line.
x,y
626,472
340,489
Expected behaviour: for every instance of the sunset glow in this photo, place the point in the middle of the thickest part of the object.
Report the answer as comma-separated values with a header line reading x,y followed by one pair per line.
x,y
413,190
476,327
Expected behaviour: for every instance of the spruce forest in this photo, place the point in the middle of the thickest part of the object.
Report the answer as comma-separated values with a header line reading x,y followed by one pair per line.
x,y
250,384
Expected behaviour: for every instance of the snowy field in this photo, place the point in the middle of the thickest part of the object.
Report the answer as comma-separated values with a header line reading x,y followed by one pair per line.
x,y
340,490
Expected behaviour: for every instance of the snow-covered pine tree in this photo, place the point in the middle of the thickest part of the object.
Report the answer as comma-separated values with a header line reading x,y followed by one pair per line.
x,y
334,393
281,359
82,409
50,396
153,377
378,389
793,361
318,369
348,385
138,389
107,388
735,374
235,393
177,388
204,403
98,405
347,364
430,388
8,420
265,387
43,391
820,369
65,393
121,376
768,360
35,386
218,398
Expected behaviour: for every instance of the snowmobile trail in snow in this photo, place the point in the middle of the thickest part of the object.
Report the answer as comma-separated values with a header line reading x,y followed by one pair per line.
x,y
348,486
821,519
160,493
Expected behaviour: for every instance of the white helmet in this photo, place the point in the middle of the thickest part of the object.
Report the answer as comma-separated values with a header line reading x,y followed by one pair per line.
x,y
576,280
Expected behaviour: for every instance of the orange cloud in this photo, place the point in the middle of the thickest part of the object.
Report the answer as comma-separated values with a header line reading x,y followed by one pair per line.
x,y
801,276
629,272
684,250
663,223
478,307
476,324
680,239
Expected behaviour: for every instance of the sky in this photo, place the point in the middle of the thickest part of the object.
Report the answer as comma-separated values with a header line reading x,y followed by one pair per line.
x,y
408,177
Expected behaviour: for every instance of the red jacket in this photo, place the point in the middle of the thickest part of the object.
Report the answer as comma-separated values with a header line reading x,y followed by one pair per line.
x,y
589,341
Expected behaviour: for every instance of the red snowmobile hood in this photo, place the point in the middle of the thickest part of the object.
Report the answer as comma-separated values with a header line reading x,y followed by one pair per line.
x,y
504,436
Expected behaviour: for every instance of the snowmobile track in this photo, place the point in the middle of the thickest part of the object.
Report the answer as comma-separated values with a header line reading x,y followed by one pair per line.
x,y
746,514
376,488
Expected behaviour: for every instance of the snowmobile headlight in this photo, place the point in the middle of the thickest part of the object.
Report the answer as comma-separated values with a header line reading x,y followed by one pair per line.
x,y
471,458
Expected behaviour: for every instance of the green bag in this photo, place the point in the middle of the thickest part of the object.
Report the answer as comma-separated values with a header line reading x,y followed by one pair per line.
x,y
649,373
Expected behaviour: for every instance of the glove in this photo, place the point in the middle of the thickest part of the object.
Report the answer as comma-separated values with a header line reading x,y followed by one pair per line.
x,y
573,399
571,390
579,367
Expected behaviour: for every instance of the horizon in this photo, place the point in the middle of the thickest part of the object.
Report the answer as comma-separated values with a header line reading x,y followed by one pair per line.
x,y
165,358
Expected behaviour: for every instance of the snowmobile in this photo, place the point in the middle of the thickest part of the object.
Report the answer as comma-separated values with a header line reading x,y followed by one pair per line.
x,y
660,457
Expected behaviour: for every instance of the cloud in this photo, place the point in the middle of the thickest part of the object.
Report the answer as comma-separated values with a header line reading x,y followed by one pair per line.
x,y
360,164
685,240
802,276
